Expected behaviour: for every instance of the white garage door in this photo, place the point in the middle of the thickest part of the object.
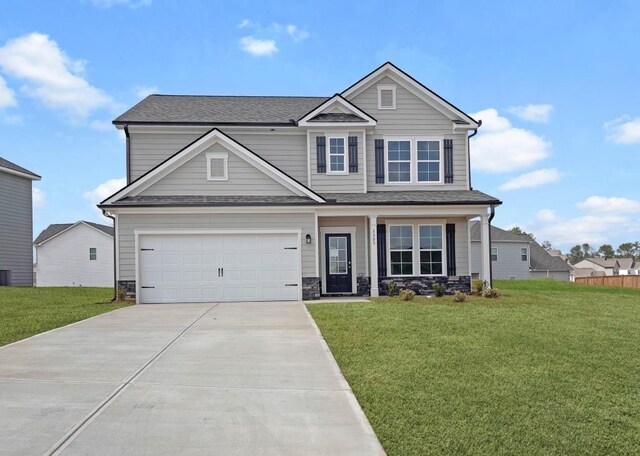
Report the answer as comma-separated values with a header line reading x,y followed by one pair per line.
x,y
218,267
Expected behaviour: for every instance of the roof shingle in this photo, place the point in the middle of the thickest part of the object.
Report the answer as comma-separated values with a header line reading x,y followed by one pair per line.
x,y
12,166
58,228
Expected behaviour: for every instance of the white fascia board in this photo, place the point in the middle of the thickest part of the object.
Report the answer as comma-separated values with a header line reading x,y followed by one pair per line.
x,y
69,228
201,144
337,99
414,87
19,173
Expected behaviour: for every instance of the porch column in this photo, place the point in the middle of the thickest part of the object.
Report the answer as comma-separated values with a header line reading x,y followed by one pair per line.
x,y
373,255
485,248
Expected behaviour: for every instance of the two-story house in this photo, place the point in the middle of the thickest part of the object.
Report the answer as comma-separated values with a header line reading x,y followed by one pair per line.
x,y
234,198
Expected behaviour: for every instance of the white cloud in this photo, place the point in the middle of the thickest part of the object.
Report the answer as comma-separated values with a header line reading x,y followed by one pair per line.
x,y
244,23
499,147
624,130
38,197
296,34
547,215
104,190
129,3
7,96
50,76
532,179
532,112
101,125
602,204
258,47
143,91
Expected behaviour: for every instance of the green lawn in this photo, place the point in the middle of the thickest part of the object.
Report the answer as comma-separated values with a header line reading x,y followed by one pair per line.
x,y
548,369
28,311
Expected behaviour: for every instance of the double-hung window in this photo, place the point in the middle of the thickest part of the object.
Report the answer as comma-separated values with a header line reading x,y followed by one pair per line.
x,y
494,253
93,253
416,249
414,160
524,254
337,156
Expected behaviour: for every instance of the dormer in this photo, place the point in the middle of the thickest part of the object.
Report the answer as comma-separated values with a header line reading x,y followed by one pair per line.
x,y
337,112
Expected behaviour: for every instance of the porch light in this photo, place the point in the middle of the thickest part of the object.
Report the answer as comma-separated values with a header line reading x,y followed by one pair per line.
x,y
308,238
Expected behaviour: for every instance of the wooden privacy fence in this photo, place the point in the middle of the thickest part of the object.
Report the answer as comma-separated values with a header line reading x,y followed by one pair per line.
x,y
624,281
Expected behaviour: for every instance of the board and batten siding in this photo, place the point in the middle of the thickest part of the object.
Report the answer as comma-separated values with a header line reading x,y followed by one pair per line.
x,y
284,149
509,263
128,223
191,179
16,228
412,117
63,261
358,247
337,183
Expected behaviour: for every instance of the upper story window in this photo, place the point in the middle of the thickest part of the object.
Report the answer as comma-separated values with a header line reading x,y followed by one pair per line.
x,y
337,156
217,166
414,160
386,97
93,253
494,253
524,254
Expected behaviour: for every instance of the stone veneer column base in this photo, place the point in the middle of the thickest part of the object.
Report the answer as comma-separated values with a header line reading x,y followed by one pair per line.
x,y
422,285
129,287
364,286
310,288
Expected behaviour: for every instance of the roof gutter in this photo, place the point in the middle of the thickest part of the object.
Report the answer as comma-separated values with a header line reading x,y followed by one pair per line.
x,y
491,216
128,149
115,279
475,132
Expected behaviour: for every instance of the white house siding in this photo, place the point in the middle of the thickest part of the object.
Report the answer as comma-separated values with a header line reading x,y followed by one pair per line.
x,y
594,266
127,223
462,240
191,179
63,261
509,263
285,148
358,247
412,117
337,183
16,231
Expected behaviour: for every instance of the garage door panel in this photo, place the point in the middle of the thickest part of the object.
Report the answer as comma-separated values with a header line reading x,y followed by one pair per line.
x,y
185,268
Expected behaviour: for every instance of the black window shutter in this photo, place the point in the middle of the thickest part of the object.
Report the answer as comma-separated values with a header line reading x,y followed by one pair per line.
x,y
379,161
321,150
448,161
382,250
451,249
353,154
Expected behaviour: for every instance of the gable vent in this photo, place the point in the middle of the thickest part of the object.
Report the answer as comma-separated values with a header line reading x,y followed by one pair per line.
x,y
386,97
217,166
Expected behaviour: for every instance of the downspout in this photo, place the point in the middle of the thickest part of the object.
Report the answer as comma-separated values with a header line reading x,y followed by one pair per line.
x,y
128,149
475,132
115,279
491,215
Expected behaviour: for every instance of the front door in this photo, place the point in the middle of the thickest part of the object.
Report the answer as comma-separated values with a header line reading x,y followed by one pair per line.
x,y
338,263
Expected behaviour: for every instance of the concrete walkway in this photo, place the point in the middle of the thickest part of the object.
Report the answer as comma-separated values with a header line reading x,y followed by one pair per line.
x,y
188,379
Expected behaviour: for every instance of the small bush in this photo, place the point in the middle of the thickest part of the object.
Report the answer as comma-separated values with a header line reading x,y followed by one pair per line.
x,y
122,294
459,296
407,295
477,286
439,289
393,288
492,293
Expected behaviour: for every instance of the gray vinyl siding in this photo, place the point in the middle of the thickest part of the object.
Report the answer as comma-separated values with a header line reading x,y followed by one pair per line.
x,y
337,183
462,240
16,228
286,151
558,275
509,261
191,179
358,247
127,223
412,117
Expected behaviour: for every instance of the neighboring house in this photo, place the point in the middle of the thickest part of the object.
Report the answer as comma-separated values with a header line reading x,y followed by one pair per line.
x,y
16,224
607,266
75,255
557,253
628,266
584,272
516,256
232,198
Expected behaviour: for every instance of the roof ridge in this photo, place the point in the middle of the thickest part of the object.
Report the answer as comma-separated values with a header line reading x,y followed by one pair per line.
x,y
236,96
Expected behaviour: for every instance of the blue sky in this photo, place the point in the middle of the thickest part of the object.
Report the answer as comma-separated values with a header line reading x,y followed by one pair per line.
x,y
555,83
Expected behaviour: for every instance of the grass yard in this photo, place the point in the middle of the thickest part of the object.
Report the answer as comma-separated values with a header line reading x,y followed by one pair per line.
x,y
548,369
28,311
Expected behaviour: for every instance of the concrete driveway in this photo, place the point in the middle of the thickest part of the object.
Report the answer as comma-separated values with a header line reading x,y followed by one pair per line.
x,y
188,379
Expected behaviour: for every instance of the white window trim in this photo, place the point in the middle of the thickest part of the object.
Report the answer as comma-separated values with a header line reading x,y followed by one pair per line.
x,y
96,253
526,253
223,155
415,224
382,87
491,253
345,154
413,172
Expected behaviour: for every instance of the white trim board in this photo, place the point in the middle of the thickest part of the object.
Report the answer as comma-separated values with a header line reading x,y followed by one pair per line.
x,y
19,173
337,99
69,228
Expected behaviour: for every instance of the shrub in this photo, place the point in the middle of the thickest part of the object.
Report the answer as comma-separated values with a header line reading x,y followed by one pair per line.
x,y
459,296
407,295
477,286
393,288
439,289
492,293
121,294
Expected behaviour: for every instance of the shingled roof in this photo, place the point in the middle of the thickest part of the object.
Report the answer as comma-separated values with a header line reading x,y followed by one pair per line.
x,y
58,228
219,110
6,164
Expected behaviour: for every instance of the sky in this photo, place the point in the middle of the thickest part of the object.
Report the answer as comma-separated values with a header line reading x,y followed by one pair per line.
x,y
556,85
